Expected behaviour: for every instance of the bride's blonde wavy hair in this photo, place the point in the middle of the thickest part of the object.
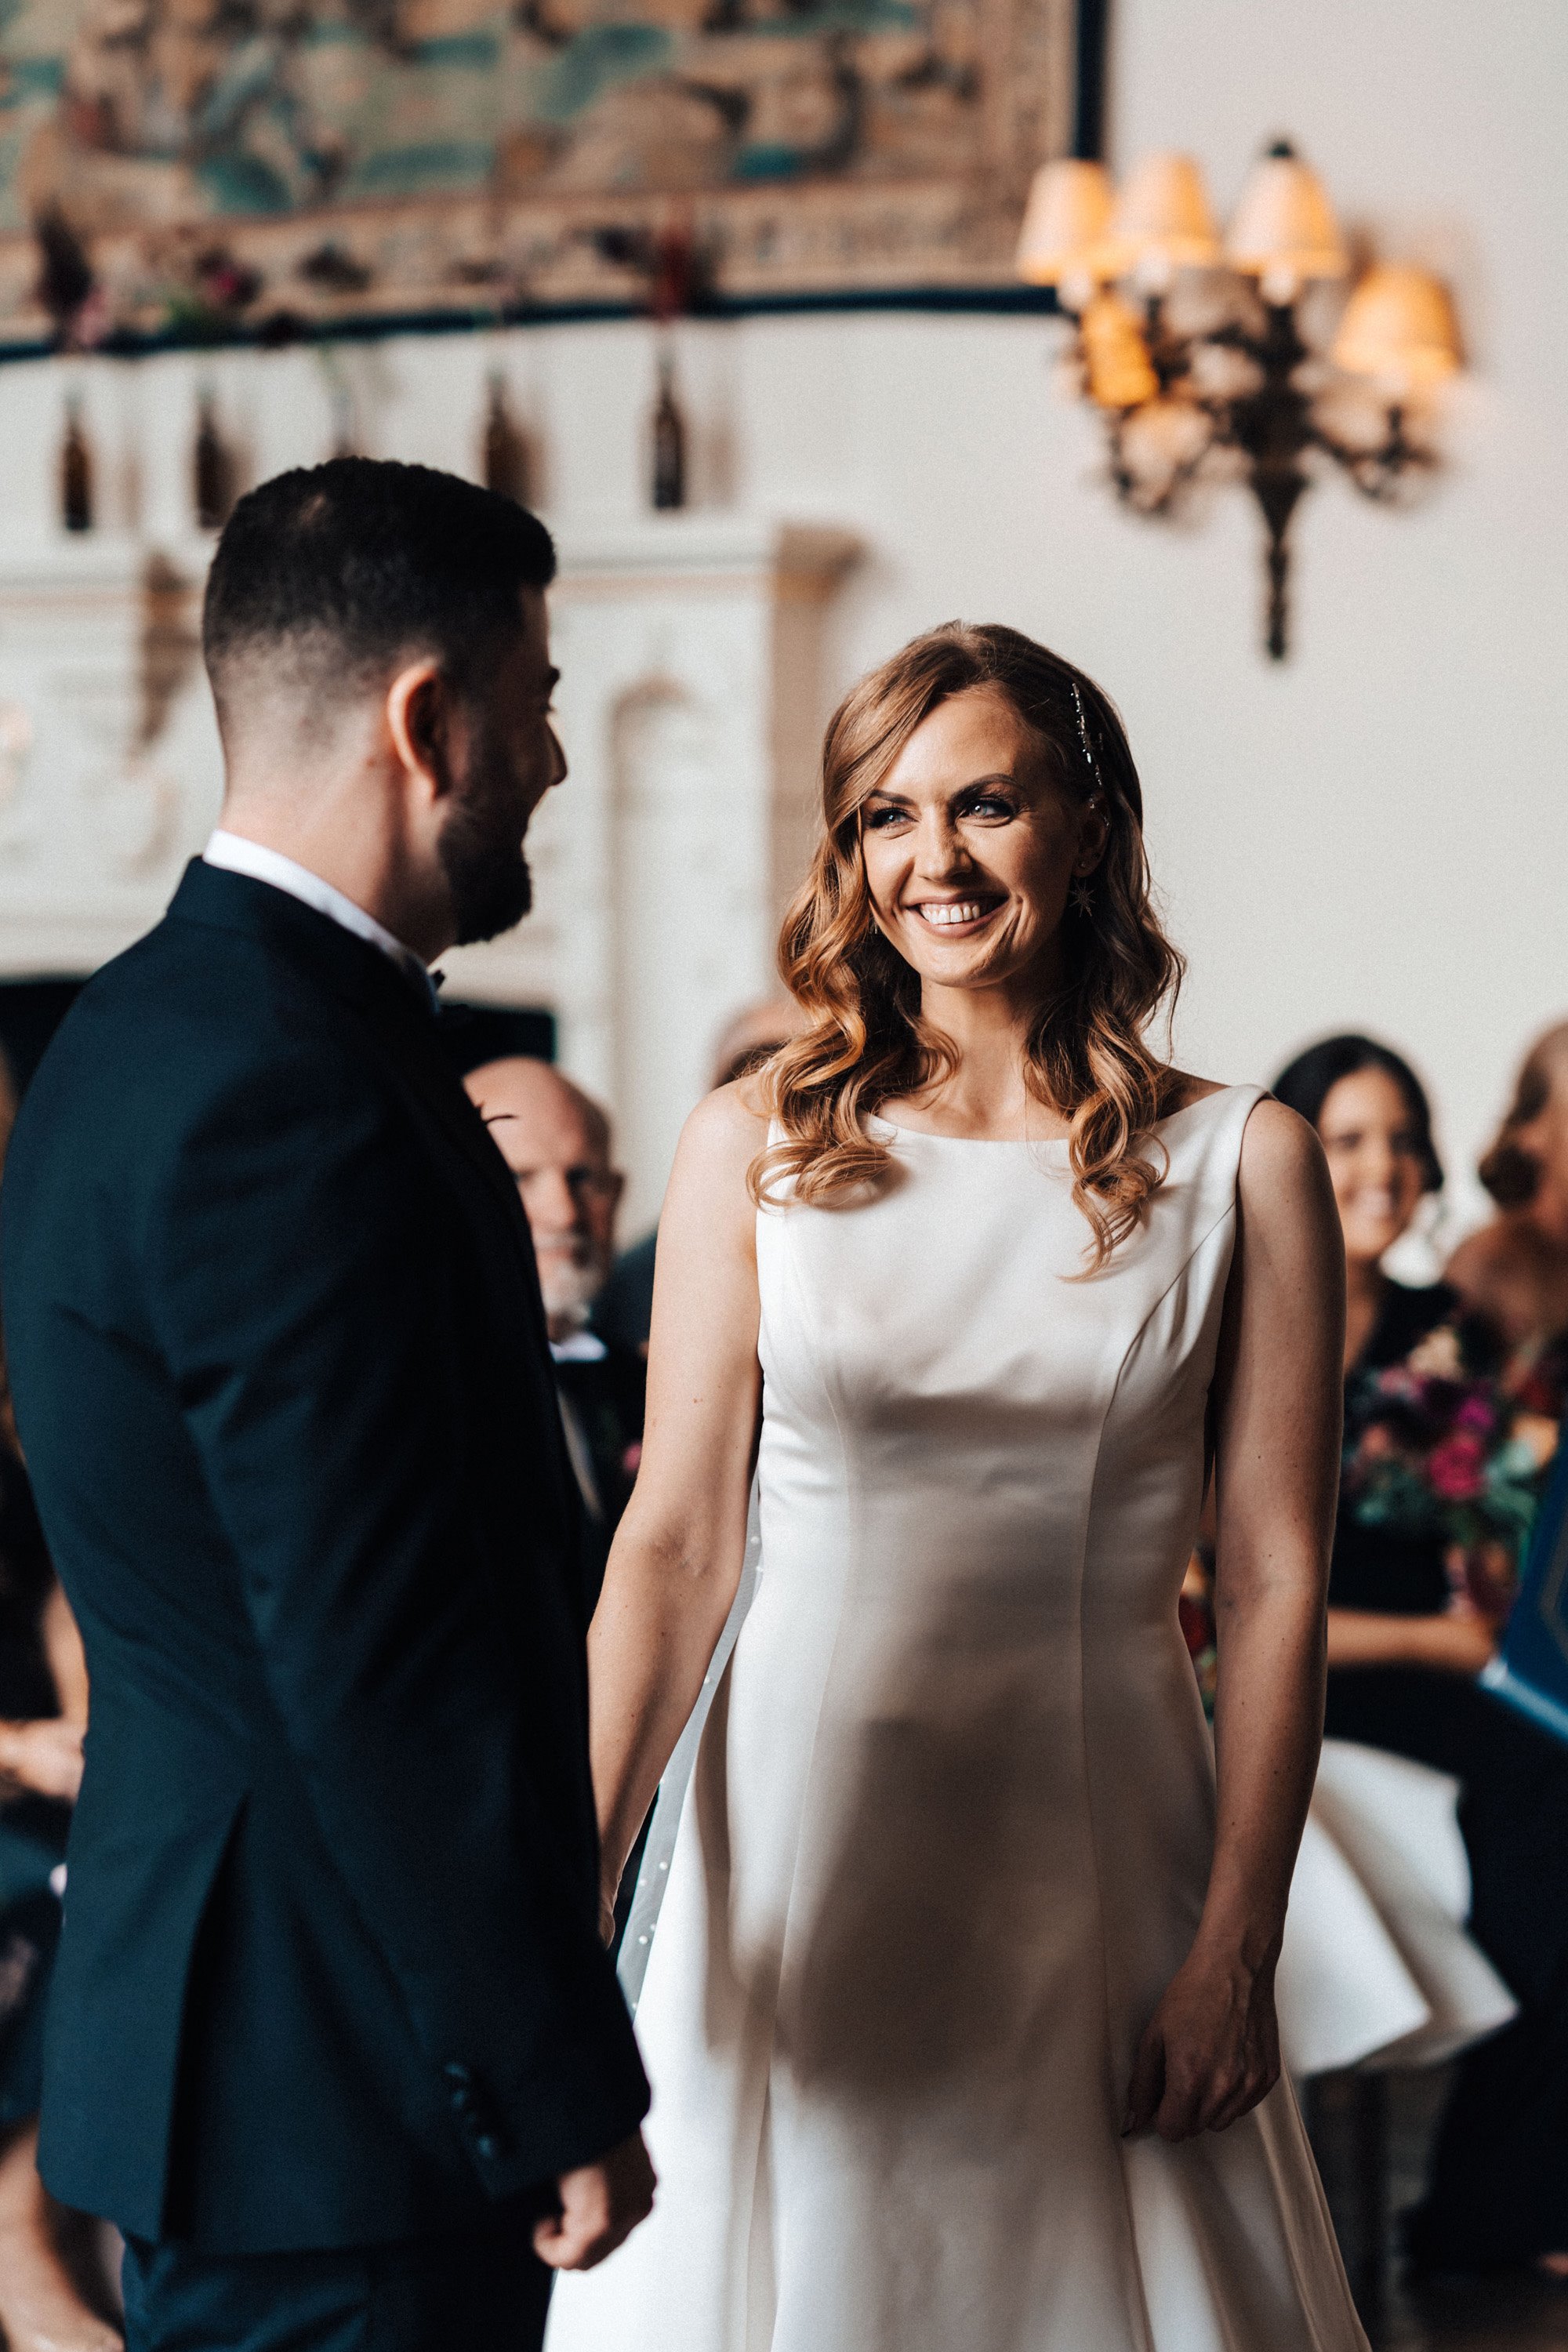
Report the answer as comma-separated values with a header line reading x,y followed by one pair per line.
x,y
867,1043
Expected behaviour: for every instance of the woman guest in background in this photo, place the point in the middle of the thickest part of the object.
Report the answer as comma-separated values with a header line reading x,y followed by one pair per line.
x,y
960,2013
1404,1649
1515,1270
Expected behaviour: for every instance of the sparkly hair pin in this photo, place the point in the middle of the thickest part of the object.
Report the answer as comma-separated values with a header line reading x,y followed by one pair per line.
x,y
1093,763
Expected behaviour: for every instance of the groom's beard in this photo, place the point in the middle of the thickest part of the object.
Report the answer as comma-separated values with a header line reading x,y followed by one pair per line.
x,y
481,851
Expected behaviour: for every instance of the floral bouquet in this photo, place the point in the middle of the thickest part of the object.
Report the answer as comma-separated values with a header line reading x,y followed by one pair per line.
x,y
1435,1451
1196,1611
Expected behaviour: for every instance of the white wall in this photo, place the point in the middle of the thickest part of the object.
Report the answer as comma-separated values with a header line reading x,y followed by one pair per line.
x,y
1377,834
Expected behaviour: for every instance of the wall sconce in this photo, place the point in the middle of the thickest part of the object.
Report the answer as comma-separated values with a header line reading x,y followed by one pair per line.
x,y
1230,384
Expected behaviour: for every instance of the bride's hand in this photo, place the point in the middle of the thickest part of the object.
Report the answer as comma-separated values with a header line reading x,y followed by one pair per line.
x,y
1211,2050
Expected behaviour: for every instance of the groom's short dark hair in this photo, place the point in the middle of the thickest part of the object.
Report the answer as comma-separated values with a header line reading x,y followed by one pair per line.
x,y
345,569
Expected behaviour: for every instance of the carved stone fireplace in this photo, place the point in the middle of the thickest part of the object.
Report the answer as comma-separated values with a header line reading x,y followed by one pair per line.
x,y
690,706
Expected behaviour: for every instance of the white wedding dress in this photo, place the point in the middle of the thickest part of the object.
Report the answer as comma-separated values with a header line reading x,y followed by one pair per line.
x,y
949,1831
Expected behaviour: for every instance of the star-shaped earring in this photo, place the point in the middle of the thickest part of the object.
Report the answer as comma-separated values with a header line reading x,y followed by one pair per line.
x,y
1083,897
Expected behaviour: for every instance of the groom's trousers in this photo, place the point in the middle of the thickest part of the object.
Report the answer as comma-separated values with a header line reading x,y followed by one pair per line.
x,y
471,2291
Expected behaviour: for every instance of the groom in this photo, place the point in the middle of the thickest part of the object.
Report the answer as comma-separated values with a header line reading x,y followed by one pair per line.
x,y
332,2037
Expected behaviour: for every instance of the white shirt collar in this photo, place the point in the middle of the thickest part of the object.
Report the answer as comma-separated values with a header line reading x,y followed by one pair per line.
x,y
579,1348
235,855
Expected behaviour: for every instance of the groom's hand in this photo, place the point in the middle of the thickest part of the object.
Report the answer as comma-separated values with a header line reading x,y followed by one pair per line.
x,y
601,2205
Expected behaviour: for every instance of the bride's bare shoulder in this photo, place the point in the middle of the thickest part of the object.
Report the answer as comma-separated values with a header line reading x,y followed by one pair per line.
x,y
709,1218
1283,1171
720,1140
1279,1148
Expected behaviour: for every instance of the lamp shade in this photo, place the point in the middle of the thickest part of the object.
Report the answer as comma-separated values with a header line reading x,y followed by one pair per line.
x,y
1162,215
1398,327
1065,222
1284,228
1115,356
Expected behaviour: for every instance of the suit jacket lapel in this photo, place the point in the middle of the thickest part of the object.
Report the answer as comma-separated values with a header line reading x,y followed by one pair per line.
x,y
418,1060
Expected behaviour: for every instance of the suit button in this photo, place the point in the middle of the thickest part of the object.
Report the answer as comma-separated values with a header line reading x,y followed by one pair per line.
x,y
487,2146
460,2077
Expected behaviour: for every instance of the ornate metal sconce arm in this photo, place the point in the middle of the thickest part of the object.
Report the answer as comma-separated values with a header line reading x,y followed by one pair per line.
x,y
1386,470
1245,395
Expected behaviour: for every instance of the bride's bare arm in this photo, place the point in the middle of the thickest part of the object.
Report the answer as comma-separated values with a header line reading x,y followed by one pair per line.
x,y
676,1562
1213,2048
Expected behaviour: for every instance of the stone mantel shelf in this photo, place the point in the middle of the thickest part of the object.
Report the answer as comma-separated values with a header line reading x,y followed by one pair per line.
x,y
655,549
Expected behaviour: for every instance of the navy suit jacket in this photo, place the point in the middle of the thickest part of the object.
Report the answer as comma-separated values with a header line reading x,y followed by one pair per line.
x,y
331,1971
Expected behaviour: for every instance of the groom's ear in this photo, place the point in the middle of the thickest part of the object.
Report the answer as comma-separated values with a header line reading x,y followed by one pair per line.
x,y
419,715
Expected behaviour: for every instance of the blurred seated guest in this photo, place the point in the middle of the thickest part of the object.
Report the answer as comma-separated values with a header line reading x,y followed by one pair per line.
x,y
1515,1269
42,1715
556,1141
747,1040
1430,1452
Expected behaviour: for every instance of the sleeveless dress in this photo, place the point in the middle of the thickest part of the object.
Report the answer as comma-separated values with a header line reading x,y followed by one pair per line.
x,y
949,1831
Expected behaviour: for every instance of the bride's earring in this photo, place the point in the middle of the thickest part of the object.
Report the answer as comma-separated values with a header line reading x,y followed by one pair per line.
x,y
1083,897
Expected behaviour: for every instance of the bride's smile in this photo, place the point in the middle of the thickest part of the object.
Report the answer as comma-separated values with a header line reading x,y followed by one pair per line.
x,y
957,917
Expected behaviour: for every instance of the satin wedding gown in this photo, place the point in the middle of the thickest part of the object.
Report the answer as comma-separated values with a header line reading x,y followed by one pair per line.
x,y
949,1831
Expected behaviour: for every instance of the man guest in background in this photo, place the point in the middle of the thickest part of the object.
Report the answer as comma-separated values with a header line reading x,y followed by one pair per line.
x,y
332,2037
556,1141
748,1039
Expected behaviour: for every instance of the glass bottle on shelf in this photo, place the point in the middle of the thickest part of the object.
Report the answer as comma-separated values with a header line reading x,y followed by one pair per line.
x,y
75,469
504,457
668,441
212,466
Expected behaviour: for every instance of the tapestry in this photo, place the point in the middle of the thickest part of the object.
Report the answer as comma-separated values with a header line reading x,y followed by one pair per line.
x,y
226,163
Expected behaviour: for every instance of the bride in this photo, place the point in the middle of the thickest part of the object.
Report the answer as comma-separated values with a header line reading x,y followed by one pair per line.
x,y
960,2015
